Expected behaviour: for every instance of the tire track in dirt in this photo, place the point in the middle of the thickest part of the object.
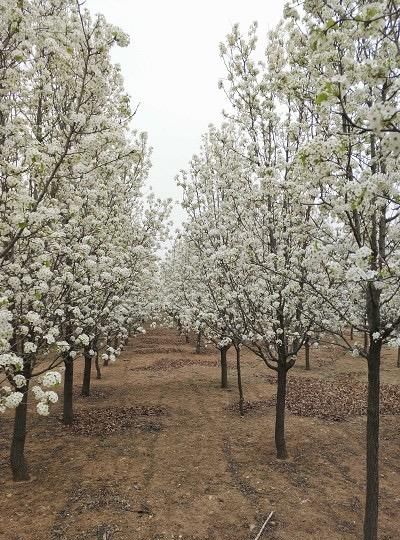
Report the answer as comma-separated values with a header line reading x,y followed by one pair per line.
x,y
204,414
300,471
201,403
232,465
245,488
150,472
188,485
248,492
139,351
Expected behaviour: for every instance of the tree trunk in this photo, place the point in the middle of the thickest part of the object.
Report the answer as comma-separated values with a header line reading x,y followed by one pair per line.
x,y
106,360
19,466
224,368
239,380
398,357
307,354
366,342
280,443
86,374
68,414
179,328
351,333
198,343
372,489
187,337
96,363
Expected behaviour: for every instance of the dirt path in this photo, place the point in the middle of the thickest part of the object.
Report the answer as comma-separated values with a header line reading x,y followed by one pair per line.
x,y
159,452
188,476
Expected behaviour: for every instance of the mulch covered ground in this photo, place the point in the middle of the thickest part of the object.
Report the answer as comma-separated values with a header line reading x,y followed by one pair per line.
x,y
329,400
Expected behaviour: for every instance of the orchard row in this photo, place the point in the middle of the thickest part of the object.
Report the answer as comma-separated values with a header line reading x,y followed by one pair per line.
x,y
293,204
77,237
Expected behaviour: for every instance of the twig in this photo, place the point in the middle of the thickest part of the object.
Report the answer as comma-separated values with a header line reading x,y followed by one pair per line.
x,y
264,525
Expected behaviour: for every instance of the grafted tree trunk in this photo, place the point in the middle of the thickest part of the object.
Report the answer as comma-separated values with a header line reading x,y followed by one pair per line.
x,y
96,363
19,465
307,354
86,373
224,367
68,414
372,483
280,443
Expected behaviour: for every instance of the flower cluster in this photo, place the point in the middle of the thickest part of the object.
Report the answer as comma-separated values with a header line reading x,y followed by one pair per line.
x,y
44,399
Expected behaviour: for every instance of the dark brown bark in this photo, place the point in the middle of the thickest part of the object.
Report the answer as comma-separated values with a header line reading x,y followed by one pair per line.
x,y
351,333
307,354
186,337
372,458
372,488
224,367
179,327
280,443
68,413
86,374
398,357
96,363
198,342
19,465
239,380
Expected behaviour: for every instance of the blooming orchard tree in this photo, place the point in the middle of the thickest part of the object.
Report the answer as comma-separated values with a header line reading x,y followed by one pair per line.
x,y
16,200
194,294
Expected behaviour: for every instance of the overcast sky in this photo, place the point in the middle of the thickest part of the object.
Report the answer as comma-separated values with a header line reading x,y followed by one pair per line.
x,y
172,67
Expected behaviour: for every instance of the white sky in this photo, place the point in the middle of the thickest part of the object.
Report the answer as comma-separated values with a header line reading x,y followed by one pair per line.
x,y
172,67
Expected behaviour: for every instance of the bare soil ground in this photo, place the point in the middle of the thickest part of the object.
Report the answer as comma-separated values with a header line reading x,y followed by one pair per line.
x,y
159,452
